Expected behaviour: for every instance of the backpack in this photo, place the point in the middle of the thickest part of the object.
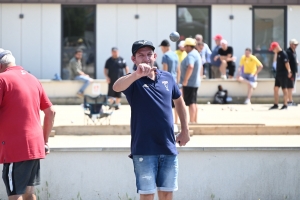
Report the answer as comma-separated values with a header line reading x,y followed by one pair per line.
x,y
220,96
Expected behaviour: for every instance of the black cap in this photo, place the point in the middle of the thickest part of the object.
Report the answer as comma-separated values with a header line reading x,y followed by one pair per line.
x,y
114,49
165,43
140,44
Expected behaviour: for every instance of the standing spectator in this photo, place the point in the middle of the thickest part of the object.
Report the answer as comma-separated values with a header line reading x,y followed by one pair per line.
x,y
23,140
199,47
114,69
76,72
190,77
170,64
149,92
181,53
205,54
292,55
215,64
251,66
227,60
283,73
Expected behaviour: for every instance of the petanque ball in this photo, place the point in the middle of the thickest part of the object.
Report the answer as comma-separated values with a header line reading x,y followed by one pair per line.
x,y
174,36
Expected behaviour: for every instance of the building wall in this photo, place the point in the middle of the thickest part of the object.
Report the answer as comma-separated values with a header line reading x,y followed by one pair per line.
x,y
121,29
238,31
35,39
293,28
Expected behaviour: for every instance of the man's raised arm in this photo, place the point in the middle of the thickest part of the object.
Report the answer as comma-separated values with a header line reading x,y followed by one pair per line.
x,y
124,82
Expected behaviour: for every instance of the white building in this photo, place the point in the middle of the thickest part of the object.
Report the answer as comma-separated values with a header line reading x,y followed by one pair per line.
x,y
43,34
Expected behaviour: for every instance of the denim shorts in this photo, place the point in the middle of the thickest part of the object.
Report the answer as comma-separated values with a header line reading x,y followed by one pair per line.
x,y
155,172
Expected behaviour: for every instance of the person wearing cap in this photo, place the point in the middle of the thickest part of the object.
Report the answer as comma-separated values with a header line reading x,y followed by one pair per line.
x,y
205,55
23,140
181,53
292,55
227,60
215,64
170,64
115,67
251,66
149,92
283,73
76,72
190,77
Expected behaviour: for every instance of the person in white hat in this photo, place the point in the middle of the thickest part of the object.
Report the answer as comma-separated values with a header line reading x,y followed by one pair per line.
x,y
291,52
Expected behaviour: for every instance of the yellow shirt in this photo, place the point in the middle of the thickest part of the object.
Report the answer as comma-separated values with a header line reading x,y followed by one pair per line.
x,y
250,64
181,55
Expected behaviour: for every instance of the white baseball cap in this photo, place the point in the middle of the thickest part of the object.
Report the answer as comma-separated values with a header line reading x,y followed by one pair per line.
x,y
294,41
224,42
181,44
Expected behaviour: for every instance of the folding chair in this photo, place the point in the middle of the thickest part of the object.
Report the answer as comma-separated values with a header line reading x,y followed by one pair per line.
x,y
96,109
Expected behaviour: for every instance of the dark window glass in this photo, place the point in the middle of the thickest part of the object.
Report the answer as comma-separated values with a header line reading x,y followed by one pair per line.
x,y
269,25
78,31
192,21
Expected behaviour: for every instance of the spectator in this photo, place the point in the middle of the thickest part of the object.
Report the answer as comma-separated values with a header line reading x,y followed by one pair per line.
x,y
189,77
227,60
283,72
114,69
149,92
181,53
170,64
251,67
76,72
292,55
199,47
215,64
23,139
205,54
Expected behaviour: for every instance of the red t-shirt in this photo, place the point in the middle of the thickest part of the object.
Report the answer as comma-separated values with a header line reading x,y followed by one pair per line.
x,y
21,99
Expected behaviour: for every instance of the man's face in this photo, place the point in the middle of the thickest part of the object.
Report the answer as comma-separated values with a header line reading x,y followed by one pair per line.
x,y
199,39
200,47
217,42
276,49
163,49
181,48
144,55
247,53
78,55
224,46
115,53
188,49
293,46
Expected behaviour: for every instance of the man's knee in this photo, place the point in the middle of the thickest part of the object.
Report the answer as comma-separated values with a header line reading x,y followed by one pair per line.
x,y
15,197
147,196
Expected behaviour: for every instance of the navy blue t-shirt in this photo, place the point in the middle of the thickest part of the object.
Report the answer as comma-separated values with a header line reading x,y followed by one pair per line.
x,y
152,131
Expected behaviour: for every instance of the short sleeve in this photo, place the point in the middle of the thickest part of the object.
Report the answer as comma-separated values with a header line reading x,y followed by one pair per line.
x,y
106,65
190,60
1,91
44,100
258,63
124,63
175,91
285,57
230,50
164,59
220,51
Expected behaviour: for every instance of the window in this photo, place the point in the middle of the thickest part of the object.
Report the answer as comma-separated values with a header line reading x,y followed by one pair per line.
x,y
78,31
269,24
192,21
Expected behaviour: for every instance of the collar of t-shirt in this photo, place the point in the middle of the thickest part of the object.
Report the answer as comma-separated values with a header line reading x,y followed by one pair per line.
x,y
14,68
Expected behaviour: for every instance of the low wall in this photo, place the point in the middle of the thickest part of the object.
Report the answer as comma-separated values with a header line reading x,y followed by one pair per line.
x,y
64,92
204,173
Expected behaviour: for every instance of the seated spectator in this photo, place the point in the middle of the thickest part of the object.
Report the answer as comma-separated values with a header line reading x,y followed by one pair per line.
x,y
251,67
76,72
215,64
227,60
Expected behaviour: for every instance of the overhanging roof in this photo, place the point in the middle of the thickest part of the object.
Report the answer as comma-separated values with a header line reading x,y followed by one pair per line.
x,y
178,2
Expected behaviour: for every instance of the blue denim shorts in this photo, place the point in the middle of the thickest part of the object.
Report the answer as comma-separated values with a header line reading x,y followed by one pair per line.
x,y
155,172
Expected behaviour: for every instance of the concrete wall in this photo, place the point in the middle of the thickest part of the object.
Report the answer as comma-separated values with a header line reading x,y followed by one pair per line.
x,y
35,39
121,29
238,31
210,174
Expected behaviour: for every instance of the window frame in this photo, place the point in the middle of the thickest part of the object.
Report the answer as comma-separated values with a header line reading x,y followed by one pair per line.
x,y
62,34
209,20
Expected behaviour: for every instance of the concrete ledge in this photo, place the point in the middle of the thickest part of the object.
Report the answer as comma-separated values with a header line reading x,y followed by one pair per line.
x,y
199,129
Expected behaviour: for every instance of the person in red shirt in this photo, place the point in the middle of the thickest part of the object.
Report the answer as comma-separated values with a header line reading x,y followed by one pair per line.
x,y
23,141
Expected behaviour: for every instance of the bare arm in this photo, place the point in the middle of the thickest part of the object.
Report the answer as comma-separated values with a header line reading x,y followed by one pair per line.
x,y
165,67
184,136
188,74
288,68
259,68
178,74
48,122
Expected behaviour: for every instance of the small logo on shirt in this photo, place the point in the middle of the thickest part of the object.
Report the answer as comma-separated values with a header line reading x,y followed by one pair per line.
x,y
23,72
166,85
145,86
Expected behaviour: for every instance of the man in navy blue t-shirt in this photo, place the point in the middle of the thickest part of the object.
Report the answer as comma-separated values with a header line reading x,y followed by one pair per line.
x,y
149,92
